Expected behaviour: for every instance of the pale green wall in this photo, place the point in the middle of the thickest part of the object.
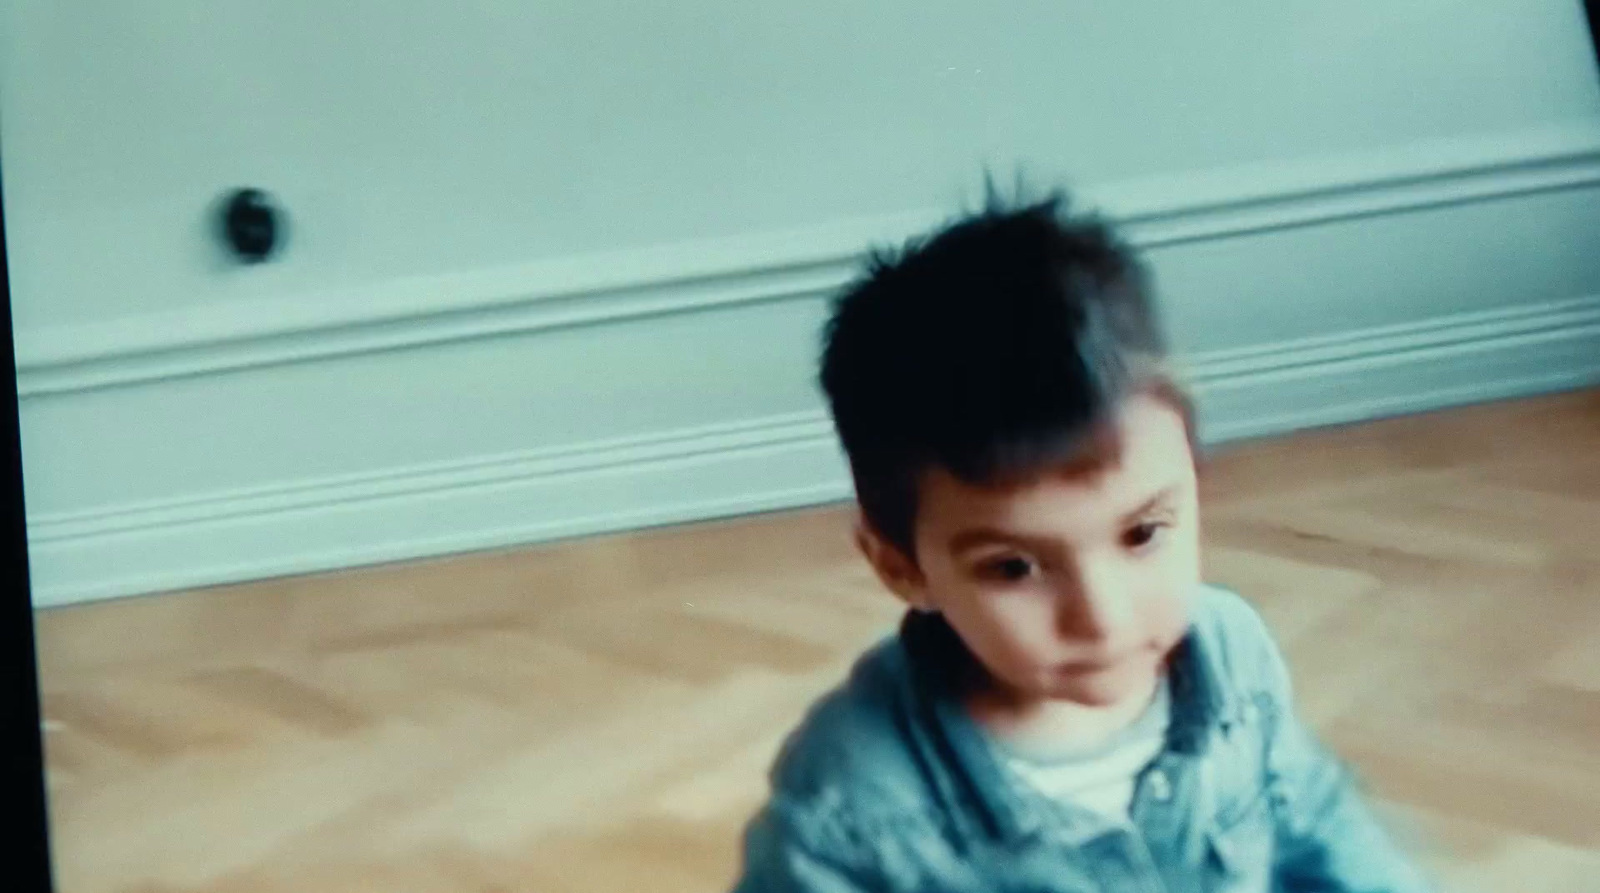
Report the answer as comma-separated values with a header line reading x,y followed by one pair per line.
x,y
1362,173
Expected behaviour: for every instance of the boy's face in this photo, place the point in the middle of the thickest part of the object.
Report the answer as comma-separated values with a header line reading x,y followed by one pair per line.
x,y
1070,586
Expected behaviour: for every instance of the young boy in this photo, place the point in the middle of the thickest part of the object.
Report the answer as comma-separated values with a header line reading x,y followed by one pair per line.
x,y
1066,707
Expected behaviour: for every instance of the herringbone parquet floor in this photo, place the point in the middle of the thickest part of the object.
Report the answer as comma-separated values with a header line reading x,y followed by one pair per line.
x,y
597,716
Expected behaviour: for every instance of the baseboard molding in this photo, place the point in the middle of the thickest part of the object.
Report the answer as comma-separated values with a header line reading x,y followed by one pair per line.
x,y
1386,370
585,290
711,472
1400,370
759,465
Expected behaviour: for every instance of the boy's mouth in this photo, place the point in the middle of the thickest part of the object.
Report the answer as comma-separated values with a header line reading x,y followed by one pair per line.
x,y
1100,664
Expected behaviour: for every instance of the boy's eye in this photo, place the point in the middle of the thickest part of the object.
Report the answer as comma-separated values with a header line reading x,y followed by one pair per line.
x,y
1011,570
1143,534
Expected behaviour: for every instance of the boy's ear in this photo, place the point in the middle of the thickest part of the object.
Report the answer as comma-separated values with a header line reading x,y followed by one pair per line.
x,y
895,569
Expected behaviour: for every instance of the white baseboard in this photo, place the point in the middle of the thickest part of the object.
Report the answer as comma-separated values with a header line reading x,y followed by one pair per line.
x,y
759,465
411,513
1398,369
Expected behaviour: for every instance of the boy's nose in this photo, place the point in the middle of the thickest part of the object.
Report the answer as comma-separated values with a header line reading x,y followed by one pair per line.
x,y
1095,606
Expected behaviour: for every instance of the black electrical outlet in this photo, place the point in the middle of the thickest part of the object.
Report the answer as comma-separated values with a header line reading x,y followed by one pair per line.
x,y
251,226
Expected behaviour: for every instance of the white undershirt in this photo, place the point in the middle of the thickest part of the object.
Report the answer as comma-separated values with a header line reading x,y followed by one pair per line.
x,y
1103,779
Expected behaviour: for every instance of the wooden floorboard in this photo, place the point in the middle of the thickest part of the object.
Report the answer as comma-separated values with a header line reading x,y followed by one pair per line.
x,y
598,715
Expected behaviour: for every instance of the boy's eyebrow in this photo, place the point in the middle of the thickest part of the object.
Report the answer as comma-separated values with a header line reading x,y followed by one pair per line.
x,y
1164,495
983,536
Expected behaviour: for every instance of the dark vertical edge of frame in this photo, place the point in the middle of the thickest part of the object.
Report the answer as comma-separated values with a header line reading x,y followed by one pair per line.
x,y
1592,8
25,797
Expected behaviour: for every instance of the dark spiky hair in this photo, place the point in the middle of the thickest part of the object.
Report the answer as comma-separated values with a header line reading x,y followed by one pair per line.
x,y
1001,343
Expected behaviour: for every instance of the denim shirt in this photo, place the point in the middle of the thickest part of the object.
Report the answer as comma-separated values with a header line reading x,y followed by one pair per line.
x,y
888,785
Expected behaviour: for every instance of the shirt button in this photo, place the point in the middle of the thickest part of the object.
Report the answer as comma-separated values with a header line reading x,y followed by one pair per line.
x,y
1160,788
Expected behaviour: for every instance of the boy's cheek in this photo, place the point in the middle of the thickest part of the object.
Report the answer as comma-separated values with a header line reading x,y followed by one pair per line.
x,y
1170,616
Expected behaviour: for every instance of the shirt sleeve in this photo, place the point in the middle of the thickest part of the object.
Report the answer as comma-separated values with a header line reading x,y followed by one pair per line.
x,y
778,858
